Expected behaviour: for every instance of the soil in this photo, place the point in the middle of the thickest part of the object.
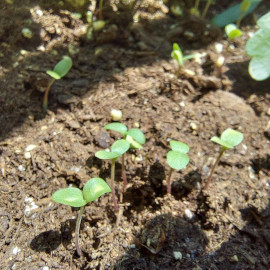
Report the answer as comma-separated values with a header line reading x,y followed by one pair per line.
x,y
127,66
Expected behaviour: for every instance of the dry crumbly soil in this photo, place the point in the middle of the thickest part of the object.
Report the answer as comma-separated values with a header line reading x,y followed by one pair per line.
x,y
127,66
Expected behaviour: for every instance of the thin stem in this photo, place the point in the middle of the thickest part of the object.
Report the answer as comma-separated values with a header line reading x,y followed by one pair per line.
x,y
209,2
214,166
45,101
239,19
116,208
77,231
100,9
124,175
169,186
197,4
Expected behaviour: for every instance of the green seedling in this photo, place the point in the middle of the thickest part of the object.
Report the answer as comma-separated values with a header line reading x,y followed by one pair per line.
x,y
177,54
208,4
118,148
176,159
244,7
133,136
59,71
74,197
195,10
232,31
228,140
258,48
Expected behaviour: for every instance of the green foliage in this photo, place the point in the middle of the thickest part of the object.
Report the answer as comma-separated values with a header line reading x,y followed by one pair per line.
x,y
61,68
74,197
118,148
258,48
177,158
232,31
232,14
229,138
177,54
116,126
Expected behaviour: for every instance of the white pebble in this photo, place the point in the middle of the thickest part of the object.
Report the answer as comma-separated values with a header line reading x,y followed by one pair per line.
x,y
218,47
27,155
116,115
177,255
182,104
21,168
30,147
30,206
16,250
188,214
45,268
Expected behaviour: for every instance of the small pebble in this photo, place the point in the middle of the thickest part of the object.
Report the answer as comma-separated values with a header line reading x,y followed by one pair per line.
x,y
193,126
45,268
27,155
188,214
177,255
219,47
15,250
30,147
21,168
116,115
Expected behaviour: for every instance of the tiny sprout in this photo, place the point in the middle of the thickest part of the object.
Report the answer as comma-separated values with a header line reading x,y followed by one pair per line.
x,y
244,7
195,10
74,197
177,54
228,140
116,115
133,136
232,31
118,148
176,159
59,71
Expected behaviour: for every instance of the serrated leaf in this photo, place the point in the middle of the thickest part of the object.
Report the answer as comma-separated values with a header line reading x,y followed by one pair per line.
x,y
102,154
53,74
177,160
120,147
232,137
62,67
179,146
69,196
94,188
137,135
119,127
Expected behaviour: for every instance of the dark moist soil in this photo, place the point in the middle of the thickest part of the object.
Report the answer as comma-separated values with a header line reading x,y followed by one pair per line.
x,y
127,66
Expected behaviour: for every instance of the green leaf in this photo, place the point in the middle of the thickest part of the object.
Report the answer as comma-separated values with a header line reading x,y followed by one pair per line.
x,y
233,13
220,142
63,66
177,160
102,154
137,135
264,22
120,147
244,6
133,143
232,31
232,136
176,47
69,196
94,188
259,68
53,74
179,146
178,56
119,127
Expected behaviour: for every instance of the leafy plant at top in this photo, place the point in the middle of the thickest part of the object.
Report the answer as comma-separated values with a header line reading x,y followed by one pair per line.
x,y
74,197
177,54
59,71
195,10
177,159
258,48
232,14
118,148
232,31
133,136
228,140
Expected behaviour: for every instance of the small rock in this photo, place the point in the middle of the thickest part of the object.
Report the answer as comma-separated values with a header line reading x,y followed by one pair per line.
x,y
21,168
116,115
188,214
16,250
45,268
27,155
177,255
193,126
30,147
268,111
218,47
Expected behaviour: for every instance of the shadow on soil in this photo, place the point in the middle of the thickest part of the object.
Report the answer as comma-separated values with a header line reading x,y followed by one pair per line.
x,y
168,242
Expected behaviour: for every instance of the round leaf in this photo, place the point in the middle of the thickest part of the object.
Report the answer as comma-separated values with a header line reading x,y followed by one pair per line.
x,y
53,74
177,160
120,147
232,31
220,142
179,146
232,137
119,127
137,135
102,154
69,196
94,188
259,67
133,143
63,66
264,21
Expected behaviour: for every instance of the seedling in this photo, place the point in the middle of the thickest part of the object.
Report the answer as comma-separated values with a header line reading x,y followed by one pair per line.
x,y
228,140
177,159
208,4
133,136
244,7
177,54
195,10
232,31
258,49
59,71
74,197
118,148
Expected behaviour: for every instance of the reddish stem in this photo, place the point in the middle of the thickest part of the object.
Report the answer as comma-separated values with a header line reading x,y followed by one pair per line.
x,y
45,101
77,231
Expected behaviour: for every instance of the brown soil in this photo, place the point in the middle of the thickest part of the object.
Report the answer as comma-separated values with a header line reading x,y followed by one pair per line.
x,y
127,66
